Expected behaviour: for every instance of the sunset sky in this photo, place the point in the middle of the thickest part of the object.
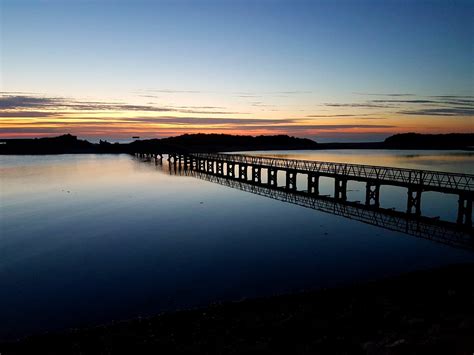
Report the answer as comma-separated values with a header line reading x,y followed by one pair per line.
x,y
327,70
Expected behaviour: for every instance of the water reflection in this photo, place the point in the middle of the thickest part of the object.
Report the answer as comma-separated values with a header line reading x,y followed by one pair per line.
x,y
423,227
87,239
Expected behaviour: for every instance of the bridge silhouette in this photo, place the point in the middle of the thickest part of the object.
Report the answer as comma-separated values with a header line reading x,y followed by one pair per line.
x,y
233,170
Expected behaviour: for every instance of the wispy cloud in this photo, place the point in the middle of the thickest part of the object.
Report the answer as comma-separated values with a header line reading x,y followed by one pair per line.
x,y
328,127
175,120
292,92
442,105
356,116
172,91
357,105
405,101
440,112
18,102
10,102
454,96
150,96
261,104
452,101
383,94
20,114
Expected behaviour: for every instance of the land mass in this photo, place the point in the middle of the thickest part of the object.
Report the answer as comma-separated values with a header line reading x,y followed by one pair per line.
x,y
69,144
424,312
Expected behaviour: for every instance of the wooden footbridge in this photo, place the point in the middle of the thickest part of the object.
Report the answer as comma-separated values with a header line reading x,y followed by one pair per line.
x,y
259,175
249,168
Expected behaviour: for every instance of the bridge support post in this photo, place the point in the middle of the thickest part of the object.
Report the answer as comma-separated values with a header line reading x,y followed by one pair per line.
x,y
372,194
210,166
201,164
414,201
273,177
188,162
256,174
219,168
465,210
243,172
172,158
340,189
159,160
313,184
291,179
230,169
172,165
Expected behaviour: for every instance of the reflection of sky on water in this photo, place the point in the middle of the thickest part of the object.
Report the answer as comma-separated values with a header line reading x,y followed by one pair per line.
x,y
90,238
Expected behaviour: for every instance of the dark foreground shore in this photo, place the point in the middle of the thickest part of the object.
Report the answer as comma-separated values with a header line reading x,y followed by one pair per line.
x,y
427,312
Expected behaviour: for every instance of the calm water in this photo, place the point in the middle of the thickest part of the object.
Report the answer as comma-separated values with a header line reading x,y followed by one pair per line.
x,y
86,239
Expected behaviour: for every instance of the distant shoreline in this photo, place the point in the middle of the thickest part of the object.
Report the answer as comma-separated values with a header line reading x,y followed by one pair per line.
x,y
249,150
197,143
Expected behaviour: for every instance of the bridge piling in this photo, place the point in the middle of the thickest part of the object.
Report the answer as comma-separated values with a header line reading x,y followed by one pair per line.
x,y
291,179
188,162
210,166
372,194
272,176
219,168
243,172
414,201
256,174
201,164
465,203
158,160
172,158
313,184
340,188
230,169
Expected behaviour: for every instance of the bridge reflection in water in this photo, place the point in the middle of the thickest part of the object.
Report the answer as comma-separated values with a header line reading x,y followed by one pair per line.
x,y
454,234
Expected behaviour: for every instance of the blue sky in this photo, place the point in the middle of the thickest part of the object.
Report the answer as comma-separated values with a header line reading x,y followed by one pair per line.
x,y
292,56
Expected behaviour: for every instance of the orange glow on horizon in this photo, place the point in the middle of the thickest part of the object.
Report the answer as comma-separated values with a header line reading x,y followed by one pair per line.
x,y
108,121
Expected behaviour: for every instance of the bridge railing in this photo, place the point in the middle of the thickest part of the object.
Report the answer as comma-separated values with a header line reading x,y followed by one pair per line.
x,y
425,179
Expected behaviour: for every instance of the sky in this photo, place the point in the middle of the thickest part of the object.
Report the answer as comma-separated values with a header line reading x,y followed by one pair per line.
x,y
325,70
